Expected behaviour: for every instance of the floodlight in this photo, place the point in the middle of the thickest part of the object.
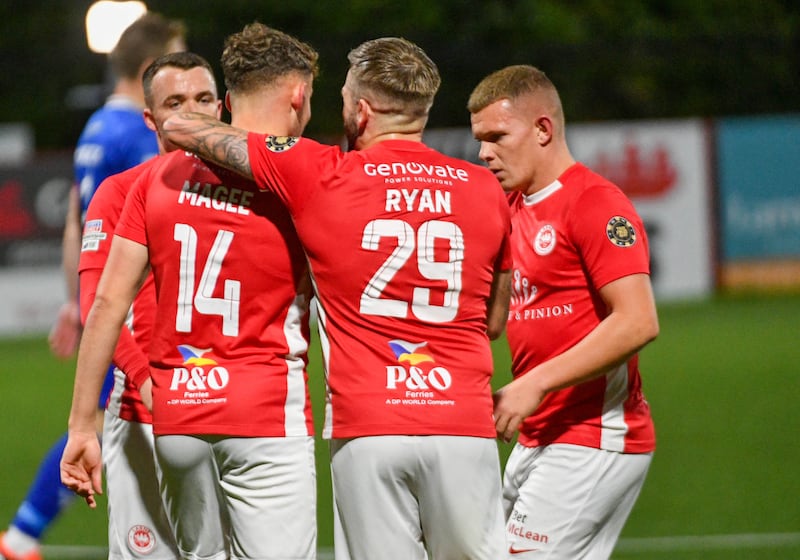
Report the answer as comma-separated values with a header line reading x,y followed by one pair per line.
x,y
107,19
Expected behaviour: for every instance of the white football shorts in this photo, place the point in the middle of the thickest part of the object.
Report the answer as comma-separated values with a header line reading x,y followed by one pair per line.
x,y
137,525
569,502
400,495
240,498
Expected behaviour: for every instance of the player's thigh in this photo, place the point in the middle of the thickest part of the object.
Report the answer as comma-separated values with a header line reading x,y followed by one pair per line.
x,y
568,499
191,494
377,509
269,485
459,497
624,480
137,525
515,474
342,552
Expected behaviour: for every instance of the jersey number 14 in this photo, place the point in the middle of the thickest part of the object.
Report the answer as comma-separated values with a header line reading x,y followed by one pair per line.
x,y
202,301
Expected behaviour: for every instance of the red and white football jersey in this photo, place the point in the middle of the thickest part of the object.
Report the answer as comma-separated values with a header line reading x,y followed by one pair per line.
x,y
230,341
402,243
101,221
569,240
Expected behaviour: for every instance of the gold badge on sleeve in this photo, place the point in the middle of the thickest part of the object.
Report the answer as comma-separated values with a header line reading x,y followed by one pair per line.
x,y
620,232
280,143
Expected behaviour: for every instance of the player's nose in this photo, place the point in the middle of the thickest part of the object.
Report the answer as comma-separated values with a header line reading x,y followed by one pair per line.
x,y
486,153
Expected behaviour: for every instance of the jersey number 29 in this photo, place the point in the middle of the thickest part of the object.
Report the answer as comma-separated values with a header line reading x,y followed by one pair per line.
x,y
422,244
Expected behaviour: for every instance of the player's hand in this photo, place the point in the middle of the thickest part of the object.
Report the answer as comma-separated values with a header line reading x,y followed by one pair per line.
x,y
146,391
81,466
513,403
66,331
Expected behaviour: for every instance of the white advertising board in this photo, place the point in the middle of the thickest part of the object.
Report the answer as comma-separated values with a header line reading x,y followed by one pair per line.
x,y
665,168
31,298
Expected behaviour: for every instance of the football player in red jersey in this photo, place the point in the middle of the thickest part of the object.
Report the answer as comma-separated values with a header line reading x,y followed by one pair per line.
x,y
410,288
137,524
581,308
231,412
114,138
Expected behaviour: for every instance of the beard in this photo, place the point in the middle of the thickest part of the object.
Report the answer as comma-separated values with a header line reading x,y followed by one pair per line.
x,y
351,132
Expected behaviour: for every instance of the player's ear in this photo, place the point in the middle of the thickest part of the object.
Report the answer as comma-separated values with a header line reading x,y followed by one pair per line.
x,y
149,120
363,113
228,101
298,99
544,130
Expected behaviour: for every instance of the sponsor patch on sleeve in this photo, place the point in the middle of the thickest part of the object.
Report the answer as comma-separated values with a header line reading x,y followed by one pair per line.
x,y
280,143
621,232
92,235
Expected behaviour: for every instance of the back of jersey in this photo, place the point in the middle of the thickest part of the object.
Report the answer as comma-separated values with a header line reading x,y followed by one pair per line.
x,y
229,347
403,243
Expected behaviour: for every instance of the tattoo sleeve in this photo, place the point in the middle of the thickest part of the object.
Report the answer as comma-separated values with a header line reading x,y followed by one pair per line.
x,y
210,139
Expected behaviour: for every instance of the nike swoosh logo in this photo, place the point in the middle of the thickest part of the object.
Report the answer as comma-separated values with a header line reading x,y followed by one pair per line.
x,y
512,550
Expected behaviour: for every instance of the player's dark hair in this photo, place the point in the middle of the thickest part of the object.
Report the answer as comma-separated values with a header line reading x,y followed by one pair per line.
x,y
181,60
145,39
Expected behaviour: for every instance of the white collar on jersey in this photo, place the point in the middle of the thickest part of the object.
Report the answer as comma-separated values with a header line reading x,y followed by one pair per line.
x,y
538,196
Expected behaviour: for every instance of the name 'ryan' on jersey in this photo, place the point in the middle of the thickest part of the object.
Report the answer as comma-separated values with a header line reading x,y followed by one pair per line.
x,y
402,243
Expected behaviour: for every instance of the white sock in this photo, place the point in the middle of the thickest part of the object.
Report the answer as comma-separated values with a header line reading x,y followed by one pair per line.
x,y
18,542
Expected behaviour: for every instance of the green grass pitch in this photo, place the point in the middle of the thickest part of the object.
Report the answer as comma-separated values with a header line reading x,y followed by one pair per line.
x,y
723,380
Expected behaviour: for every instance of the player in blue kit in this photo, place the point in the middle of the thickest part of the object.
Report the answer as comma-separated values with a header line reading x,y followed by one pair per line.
x,y
115,138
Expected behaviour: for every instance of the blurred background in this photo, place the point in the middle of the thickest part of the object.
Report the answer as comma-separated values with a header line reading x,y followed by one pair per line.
x,y
693,108
611,59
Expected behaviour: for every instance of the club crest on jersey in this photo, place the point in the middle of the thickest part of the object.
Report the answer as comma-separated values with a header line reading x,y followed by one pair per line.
x,y
620,232
280,143
545,240
141,539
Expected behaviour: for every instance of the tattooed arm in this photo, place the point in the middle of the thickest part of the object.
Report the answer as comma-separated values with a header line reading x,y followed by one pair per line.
x,y
210,139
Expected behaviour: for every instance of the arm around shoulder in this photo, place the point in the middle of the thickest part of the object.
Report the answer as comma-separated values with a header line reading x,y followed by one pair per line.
x,y
211,139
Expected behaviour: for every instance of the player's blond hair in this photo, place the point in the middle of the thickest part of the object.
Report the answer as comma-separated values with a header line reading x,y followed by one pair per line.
x,y
259,55
513,82
396,72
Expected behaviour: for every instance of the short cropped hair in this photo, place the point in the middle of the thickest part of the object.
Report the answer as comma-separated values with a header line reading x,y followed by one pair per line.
x,y
146,38
181,60
509,83
397,71
258,55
